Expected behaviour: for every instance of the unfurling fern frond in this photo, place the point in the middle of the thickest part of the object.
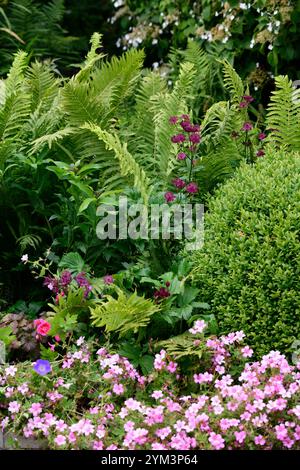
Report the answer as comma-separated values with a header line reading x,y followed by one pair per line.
x,y
92,57
127,313
128,165
283,114
233,82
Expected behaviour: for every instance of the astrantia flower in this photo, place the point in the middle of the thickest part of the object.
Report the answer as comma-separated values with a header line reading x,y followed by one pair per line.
x,y
192,188
108,279
181,156
195,138
248,98
65,278
173,119
178,183
42,367
261,136
51,283
169,196
161,293
243,104
247,126
260,153
176,139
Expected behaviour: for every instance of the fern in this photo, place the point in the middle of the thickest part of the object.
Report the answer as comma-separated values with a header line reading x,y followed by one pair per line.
x,y
283,115
80,105
233,83
115,80
16,73
92,57
181,346
128,165
127,313
42,85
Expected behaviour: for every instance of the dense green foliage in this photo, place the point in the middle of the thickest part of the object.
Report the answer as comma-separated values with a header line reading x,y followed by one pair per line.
x,y
249,267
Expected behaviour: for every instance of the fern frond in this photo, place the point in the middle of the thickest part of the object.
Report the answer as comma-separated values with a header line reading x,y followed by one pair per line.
x,y
15,76
116,79
42,85
79,104
233,82
127,313
14,114
128,165
283,114
92,57
51,139
181,346
141,124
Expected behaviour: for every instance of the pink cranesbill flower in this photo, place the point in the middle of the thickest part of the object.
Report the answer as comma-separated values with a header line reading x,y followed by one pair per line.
x,y
172,366
192,188
216,440
247,352
240,436
108,279
181,156
14,407
35,409
60,440
198,327
247,126
178,183
118,389
169,196
259,440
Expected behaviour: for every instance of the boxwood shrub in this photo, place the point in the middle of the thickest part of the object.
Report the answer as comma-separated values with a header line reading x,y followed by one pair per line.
x,y
249,266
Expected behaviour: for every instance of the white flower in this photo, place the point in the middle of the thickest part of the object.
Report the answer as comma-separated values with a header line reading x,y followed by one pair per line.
x,y
270,47
243,6
24,258
154,41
